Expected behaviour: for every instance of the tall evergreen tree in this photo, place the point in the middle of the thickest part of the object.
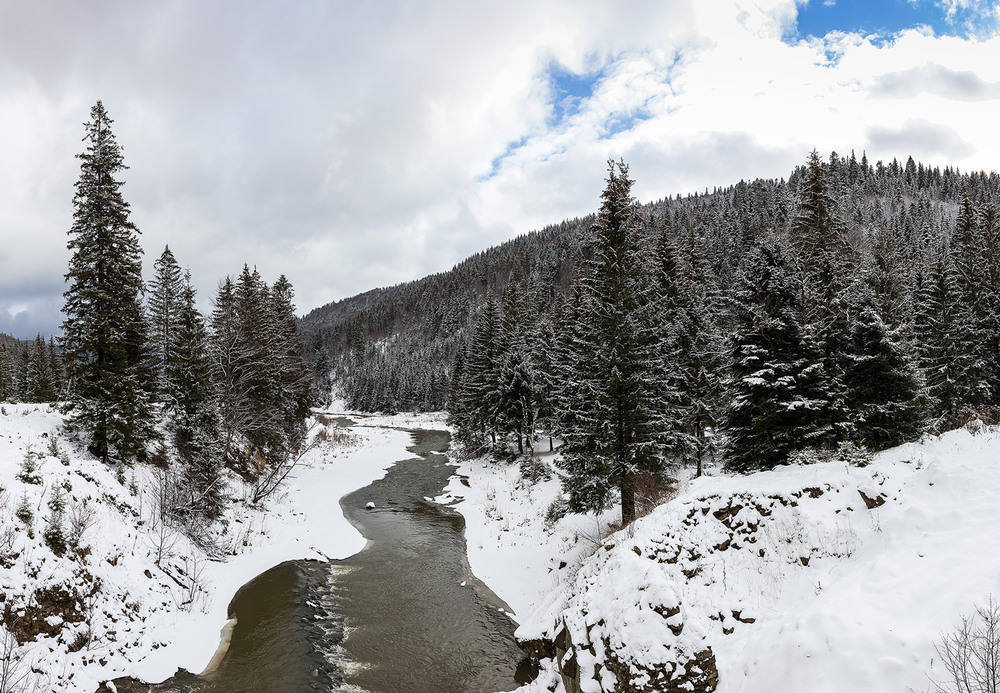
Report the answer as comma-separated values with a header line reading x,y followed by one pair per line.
x,y
39,385
193,408
294,394
943,331
884,393
58,370
104,332
617,400
825,259
165,291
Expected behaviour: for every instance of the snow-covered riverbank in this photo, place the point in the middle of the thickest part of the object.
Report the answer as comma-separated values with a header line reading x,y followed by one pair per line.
x,y
119,610
825,577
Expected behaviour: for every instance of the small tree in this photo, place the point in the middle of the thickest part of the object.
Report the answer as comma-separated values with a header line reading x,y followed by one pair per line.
x,y
971,653
54,537
29,468
25,514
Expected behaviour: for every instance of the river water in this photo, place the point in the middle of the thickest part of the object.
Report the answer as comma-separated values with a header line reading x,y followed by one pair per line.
x,y
405,615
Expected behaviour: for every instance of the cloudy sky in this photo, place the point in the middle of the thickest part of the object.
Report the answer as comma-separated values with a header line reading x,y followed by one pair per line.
x,y
350,145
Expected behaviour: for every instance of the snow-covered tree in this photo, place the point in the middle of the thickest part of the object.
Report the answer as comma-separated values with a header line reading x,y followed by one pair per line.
x,y
164,312
193,408
884,394
39,383
104,332
779,399
616,401
943,327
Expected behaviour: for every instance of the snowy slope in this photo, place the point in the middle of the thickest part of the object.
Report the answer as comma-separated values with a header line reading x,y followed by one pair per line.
x,y
147,620
781,581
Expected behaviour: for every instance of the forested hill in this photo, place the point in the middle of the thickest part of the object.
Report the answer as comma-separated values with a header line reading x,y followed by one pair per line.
x,y
394,348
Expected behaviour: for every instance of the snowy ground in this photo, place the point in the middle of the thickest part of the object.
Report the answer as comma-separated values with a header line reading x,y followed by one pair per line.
x,y
520,555
788,575
148,620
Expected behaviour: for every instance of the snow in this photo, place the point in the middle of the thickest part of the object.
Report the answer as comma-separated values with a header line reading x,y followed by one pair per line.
x,y
149,626
787,575
511,547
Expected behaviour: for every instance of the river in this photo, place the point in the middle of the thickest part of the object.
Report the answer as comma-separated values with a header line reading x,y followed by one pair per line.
x,y
405,615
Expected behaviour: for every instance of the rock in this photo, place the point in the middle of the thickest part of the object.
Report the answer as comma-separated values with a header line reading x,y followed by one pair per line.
x,y
870,502
370,505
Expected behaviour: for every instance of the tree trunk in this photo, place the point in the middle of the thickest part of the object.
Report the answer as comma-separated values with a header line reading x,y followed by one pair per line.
x,y
520,445
627,488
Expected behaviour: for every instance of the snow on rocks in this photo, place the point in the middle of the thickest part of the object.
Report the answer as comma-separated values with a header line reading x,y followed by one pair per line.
x,y
823,577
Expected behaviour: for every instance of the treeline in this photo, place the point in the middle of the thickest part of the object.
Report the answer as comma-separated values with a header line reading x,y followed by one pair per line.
x,y
149,378
428,319
31,371
853,307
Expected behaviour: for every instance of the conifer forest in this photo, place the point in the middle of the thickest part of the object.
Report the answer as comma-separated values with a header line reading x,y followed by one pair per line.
x,y
850,307
145,376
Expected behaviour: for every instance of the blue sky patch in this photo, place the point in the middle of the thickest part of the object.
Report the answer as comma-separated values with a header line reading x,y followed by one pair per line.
x,y
569,91
887,17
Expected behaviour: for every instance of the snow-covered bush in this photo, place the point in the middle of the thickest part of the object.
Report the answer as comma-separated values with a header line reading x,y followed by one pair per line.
x,y
25,514
29,468
854,454
809,456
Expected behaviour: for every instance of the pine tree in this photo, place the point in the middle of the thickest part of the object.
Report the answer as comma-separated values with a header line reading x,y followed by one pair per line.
x,y
883,389
164,312
104,332
617,398
480,393
39,380
942,327
779,399
826,261
58,370
8,374
294,396
193,408
261,375
517,396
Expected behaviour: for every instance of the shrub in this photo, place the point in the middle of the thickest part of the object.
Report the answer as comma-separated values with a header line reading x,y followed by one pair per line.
x,y
971,653
29,468
854,454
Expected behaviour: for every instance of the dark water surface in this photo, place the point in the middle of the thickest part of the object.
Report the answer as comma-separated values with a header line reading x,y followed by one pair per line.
x,y
404,615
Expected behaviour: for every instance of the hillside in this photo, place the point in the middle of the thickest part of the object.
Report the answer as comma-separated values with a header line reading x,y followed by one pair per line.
x,y
394,348
822,577
121,592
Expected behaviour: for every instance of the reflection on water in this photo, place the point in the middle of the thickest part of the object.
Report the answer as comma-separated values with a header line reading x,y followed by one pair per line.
x,y
404,615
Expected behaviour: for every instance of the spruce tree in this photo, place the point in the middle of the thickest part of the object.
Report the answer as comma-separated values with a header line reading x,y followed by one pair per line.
x,y
193,408
58,370
779,395
617,398
884,393
294,394
825,260
104,332
164,312
943,331
39,381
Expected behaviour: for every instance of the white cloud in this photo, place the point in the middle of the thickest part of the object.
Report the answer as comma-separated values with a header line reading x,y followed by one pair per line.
x,y
350,145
